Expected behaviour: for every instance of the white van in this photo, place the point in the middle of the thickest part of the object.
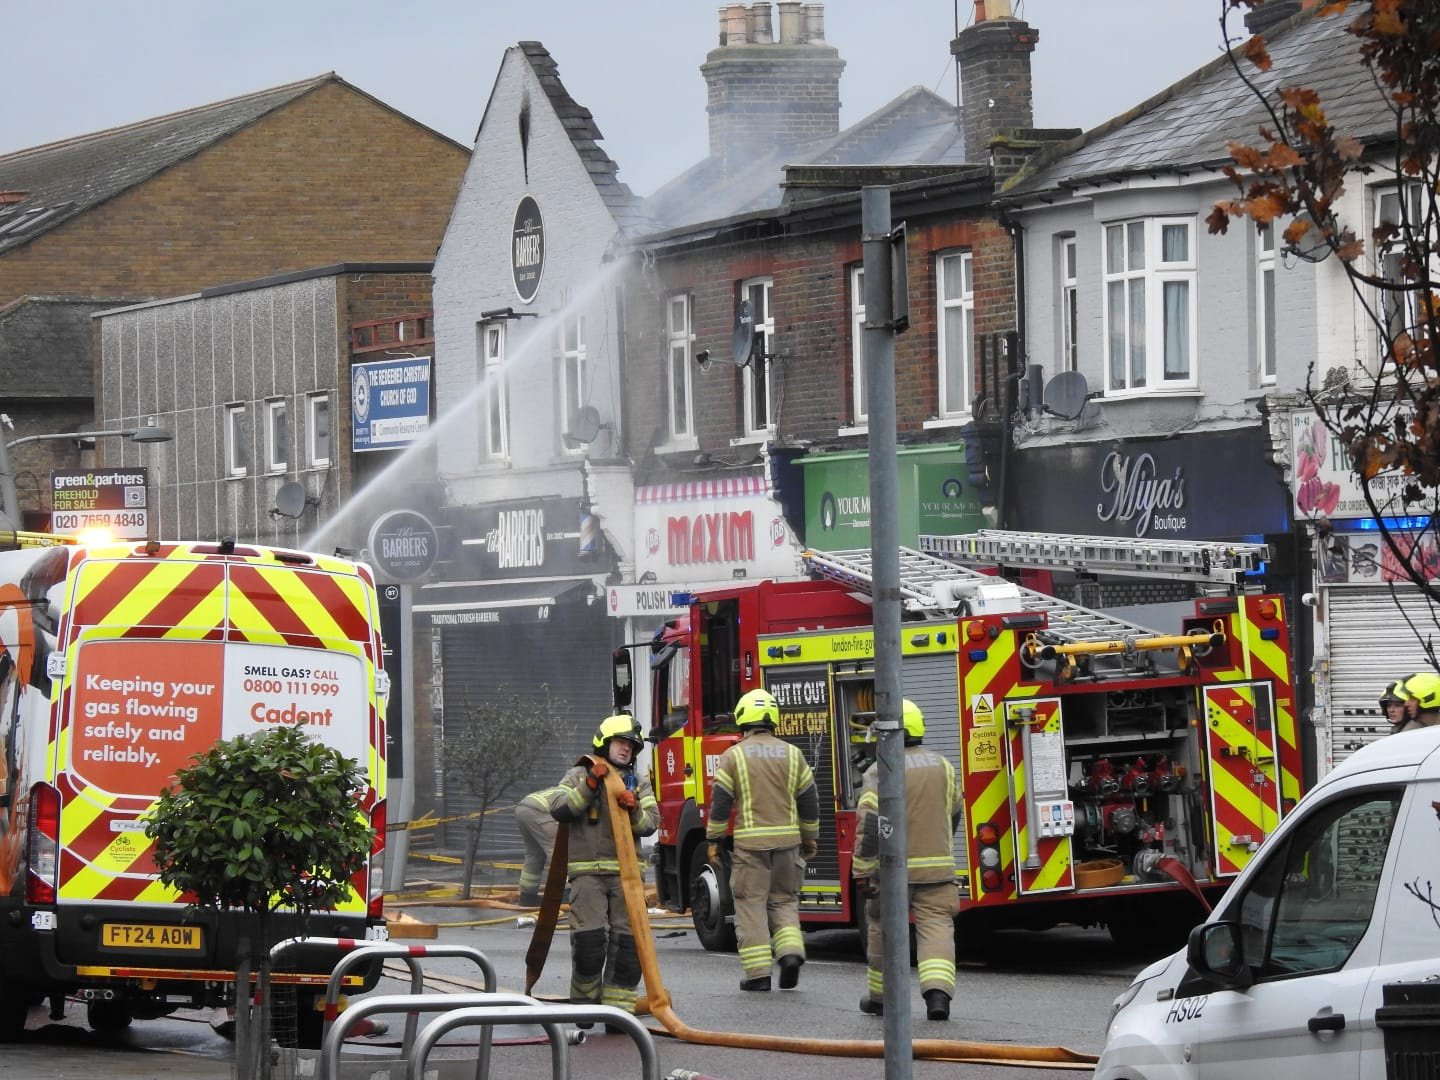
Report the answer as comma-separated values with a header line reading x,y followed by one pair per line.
x,y
1285,977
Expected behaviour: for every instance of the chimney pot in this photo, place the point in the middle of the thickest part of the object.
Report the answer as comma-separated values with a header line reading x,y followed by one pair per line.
x,y
761,30
1260,19
814,23
792,22
735,25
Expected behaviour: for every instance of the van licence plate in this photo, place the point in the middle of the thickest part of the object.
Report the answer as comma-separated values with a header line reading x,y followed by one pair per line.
x,y
150,936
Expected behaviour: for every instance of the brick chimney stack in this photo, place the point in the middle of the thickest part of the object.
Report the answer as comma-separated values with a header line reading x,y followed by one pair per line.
x,y
995,84
765,93
1260,19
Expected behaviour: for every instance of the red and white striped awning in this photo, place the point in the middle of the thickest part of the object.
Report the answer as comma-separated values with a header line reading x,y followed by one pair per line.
x,y
726,488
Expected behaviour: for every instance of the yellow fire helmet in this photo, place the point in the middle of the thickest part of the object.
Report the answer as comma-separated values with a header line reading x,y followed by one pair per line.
x,y
757,707
1425,689
913,719
619,726
1393,692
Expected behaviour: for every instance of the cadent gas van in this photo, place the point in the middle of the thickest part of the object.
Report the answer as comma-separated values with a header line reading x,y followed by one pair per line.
x,y
1324,954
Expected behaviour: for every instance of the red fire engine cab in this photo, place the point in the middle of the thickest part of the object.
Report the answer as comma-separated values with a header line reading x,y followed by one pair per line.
x,y
1110,773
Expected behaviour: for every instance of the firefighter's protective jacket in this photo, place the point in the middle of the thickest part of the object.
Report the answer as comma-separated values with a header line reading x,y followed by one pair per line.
x,y
932,810
592,843
771,790
543,798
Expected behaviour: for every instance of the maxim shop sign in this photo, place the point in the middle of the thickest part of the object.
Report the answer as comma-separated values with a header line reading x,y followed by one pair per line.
x,y
1191,487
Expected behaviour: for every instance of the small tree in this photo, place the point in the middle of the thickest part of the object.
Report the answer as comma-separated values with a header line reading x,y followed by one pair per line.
x,y
260,823
499,743
1387,128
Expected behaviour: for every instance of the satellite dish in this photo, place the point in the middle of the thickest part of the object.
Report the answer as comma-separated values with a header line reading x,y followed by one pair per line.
x,y
585,424
742,341
1066,394
290,500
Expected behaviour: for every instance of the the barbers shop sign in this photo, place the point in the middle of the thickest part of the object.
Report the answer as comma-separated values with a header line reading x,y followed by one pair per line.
x,y
403,545
527,250
1189,488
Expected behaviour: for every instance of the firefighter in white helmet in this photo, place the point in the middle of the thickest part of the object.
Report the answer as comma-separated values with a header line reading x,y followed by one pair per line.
x,y
604,963
767,786
932,811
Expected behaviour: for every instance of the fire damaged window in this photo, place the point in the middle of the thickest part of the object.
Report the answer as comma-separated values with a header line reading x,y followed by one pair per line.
x,y
497,393
760,404
681,341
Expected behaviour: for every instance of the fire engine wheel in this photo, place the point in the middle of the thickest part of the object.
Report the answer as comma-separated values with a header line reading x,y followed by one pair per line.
x,y
709,901
105,1016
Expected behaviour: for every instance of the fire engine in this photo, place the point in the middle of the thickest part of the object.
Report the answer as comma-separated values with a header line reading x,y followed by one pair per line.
x,y
118,663
1111,774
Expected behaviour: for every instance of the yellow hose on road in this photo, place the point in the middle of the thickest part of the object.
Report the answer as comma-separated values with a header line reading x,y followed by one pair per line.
x,y
658,998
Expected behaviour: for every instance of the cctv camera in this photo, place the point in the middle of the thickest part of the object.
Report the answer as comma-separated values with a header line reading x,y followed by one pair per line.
x,y
1310,599
703,358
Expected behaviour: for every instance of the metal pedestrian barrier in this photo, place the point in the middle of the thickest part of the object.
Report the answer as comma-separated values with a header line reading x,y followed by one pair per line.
x,y
496,1012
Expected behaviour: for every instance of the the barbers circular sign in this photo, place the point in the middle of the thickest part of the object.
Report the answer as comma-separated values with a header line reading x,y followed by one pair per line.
x,y
527,249
403,545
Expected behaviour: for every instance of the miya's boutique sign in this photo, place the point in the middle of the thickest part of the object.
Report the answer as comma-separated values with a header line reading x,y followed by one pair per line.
x,y
1189,488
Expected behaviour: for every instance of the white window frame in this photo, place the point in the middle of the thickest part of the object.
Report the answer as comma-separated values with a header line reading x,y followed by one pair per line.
x,y
679,350
955,355
756,375
1265,312
860,393
572,377
237,447
1142,274
492,341
1069,304
277,437
316,451
1400,310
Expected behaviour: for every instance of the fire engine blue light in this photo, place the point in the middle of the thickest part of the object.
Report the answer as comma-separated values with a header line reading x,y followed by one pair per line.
x,y
977,655
773,650
681,599
1420,521
1270,633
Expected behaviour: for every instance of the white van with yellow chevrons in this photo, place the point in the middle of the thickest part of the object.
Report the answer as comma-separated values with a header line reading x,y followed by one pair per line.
x,y
1324,955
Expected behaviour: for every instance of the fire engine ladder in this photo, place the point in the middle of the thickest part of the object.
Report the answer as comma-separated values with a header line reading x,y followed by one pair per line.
x,y
1197,560
919,574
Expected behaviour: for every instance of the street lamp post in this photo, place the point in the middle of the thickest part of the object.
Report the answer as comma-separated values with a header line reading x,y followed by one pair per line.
x,y
10,499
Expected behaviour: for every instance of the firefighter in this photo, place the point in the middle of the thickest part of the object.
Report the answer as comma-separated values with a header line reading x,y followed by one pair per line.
x,y
537,831
1422,702
1392,703
932,811
604,963
767,786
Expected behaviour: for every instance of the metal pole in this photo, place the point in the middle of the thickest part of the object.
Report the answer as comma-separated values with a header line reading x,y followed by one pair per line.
x,y
9,499
885,564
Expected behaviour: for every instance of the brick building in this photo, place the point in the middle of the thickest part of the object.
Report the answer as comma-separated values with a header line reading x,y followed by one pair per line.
x,y
304,175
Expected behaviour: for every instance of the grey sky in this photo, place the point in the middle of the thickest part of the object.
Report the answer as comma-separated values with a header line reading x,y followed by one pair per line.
x,y
76,66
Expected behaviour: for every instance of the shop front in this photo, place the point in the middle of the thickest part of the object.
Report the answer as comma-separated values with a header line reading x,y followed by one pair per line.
x,y
934,495
519,614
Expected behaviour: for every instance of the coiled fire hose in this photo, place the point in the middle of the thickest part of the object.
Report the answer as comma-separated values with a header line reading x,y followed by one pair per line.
x,y
658,998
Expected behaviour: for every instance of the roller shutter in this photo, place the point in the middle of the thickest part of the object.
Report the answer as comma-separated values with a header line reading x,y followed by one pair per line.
x,y
1370,644
570,653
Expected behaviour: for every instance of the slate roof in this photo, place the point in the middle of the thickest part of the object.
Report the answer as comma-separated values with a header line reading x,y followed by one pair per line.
x,y
1188,125
917,128
579,124
45,347
66,178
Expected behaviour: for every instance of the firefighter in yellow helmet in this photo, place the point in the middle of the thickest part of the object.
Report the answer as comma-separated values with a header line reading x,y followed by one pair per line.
x,y
766,785
604,963
932,811
1422,701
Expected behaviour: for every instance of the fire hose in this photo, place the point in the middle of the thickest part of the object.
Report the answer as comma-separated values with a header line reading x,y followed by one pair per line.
x,y
658,998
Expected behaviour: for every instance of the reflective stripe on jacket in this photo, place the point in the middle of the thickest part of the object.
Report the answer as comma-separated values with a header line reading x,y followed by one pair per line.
x,y
932,810
592,843
767,785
